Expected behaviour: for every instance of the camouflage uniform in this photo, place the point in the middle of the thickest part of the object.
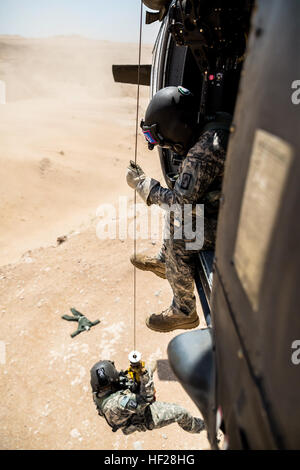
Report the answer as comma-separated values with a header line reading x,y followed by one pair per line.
x,y
199,182
139,412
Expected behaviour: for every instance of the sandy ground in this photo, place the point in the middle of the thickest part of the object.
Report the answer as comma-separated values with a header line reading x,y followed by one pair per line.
x,y
67,134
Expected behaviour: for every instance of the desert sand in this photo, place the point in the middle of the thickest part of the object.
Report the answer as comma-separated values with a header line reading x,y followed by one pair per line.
x,y
67,134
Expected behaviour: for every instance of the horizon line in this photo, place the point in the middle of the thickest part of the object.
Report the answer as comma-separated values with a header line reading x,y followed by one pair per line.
x,y
76,36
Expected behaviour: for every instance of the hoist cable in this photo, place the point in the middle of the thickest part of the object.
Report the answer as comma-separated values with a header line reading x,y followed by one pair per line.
x,y
135,161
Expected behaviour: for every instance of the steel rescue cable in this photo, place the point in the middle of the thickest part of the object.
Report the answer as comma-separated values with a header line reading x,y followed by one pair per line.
x,y
135,161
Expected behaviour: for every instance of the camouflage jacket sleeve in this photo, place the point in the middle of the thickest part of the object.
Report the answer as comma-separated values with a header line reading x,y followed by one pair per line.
x,y
147,390
202,165
118,407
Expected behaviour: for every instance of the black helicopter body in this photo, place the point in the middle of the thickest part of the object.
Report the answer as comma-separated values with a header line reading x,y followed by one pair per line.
x,y
243,371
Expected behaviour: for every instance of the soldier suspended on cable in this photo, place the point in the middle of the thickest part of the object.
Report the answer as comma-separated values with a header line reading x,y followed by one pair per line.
x,y
126,400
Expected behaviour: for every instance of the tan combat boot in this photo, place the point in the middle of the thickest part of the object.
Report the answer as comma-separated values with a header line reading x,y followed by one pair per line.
x,y
168,320
147,263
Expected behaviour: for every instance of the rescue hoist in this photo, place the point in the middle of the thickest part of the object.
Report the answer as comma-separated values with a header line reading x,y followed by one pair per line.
x,y
136,366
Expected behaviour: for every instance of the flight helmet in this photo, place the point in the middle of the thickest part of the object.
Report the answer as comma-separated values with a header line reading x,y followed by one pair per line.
x,y
171,119
104,378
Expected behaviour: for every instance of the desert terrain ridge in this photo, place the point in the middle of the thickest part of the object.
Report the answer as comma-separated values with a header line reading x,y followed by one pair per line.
x,y
67,134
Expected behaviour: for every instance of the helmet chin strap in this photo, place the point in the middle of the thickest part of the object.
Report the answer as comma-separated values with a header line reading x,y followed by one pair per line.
x,y
178,148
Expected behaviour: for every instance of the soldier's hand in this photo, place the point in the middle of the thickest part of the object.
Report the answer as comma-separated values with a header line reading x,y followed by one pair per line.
x,y
142,370
139,369
136,167
134,175
152,365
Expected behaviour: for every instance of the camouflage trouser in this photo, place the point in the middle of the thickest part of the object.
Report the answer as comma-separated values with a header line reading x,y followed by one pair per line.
x,y
180,268
164,414
161,414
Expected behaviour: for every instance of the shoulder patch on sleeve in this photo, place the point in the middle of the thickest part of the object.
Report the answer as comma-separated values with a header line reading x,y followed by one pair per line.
x,y
132,404
124,400
129,403
185,180
185,184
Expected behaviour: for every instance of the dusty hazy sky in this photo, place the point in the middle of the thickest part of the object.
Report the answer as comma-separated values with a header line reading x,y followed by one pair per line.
x,y
114,20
